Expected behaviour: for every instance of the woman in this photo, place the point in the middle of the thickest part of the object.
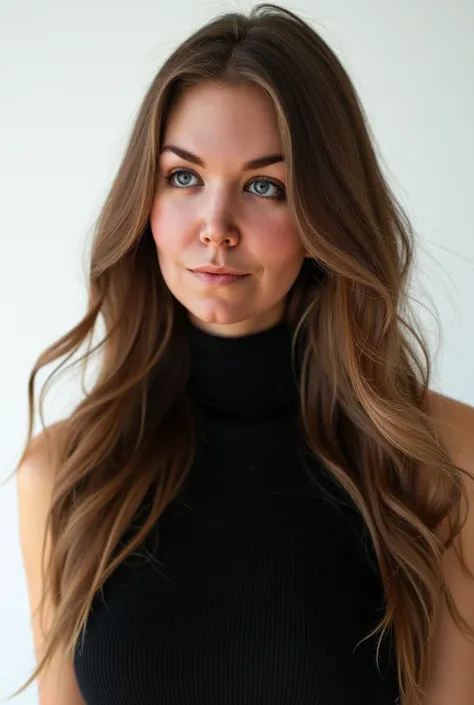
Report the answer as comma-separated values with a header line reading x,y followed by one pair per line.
x,y
256,501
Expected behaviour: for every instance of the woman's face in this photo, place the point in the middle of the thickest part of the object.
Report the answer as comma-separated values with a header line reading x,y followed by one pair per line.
x,y
221,212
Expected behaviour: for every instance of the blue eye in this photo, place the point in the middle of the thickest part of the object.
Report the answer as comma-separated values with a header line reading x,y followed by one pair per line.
x,y
278,190
178,172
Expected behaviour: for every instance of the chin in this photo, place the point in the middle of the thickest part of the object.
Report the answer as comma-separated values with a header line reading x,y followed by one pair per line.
x,y
220,315
228,321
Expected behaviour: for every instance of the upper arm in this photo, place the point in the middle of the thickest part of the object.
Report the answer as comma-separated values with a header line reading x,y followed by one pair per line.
x,y
452,676
56,683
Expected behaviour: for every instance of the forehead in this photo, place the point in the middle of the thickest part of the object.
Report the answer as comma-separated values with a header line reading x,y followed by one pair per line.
x,y
214,120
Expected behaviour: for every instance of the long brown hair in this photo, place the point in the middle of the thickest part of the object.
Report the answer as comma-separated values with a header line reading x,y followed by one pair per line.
x,y
365,366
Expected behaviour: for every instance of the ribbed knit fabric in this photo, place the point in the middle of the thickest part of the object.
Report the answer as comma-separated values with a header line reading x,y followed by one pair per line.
x,y
261,589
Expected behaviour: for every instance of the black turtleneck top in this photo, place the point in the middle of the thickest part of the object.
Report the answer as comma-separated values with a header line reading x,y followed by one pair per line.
x,y
262,588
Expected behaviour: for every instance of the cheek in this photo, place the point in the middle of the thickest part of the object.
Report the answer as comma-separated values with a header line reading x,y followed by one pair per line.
x,y
168,226
277,243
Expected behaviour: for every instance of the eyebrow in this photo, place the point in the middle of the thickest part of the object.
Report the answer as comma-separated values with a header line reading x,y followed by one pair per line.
x,y
252,164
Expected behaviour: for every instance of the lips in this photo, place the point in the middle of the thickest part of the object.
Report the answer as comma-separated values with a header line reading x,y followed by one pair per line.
x,y
213,269
212,278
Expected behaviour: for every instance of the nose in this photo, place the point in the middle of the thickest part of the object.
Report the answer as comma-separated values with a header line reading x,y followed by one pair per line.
x,y
218,227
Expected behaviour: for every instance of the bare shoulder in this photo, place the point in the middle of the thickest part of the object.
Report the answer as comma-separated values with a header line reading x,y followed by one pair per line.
x,y
452,675
454,422
38,460
35,480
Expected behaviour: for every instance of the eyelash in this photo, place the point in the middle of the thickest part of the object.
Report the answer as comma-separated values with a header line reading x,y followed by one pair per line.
x,y
281,189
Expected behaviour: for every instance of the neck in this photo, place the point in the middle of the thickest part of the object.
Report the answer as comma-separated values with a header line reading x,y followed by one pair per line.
x,y
243,374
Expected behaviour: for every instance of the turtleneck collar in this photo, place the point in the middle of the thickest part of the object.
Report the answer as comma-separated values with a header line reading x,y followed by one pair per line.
x,y
246,373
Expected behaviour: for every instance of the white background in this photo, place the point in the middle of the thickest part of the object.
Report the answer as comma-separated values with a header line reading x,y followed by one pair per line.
x,y
72,77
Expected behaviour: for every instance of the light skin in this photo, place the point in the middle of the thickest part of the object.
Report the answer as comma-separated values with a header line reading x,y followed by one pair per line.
x,y
220,213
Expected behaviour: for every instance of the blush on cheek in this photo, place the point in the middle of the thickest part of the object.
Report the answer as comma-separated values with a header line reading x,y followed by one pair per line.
x,y
276,230
169,225
276,248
